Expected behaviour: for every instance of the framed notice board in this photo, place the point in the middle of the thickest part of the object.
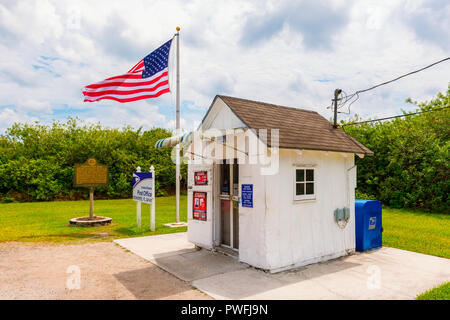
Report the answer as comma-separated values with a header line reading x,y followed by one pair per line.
x,y
247,195
200,178
199,206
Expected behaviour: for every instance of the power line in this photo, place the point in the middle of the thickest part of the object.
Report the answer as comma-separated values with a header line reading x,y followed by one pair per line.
x,y
398,116
402,76
356,93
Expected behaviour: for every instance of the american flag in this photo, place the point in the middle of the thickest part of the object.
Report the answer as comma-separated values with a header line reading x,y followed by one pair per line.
x,y
149,78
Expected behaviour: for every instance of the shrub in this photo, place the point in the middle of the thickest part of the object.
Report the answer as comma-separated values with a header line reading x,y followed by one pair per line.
x,y
37,161
410,166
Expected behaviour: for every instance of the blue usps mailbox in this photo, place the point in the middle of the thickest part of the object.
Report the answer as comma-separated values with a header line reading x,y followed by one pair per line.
x,y
368,227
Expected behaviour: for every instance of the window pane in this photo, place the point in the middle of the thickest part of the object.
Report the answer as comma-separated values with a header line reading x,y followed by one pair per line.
x,y
309,175
300,189
310,188
300,175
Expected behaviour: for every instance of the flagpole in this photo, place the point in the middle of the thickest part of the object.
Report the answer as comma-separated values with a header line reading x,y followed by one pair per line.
x,y
177,148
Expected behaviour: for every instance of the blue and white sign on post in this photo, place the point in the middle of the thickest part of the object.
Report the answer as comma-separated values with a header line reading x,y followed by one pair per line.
x,y
247,195
143,187
144,191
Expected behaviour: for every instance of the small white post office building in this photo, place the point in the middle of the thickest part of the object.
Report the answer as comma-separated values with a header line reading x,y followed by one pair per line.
x,y
271,185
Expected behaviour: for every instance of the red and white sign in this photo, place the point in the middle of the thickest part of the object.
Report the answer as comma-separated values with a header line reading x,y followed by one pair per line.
x,y
201,178
199,206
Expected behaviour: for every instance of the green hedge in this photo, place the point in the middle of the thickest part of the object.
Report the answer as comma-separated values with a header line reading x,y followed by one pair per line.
x,y
37,161
410,167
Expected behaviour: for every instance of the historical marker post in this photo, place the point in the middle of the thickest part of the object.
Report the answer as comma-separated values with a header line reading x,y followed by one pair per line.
x,y
90,175
91,200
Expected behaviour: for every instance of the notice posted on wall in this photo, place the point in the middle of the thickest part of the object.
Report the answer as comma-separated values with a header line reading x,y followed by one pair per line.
x,y
143,187
201,178
199,206
247,195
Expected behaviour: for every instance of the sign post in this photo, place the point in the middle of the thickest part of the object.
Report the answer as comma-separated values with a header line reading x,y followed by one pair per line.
x,y
152,209
143,191
90,175
91,200
138,206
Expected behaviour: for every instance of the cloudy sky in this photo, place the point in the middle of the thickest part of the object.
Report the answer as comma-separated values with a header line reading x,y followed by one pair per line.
x,y
291,53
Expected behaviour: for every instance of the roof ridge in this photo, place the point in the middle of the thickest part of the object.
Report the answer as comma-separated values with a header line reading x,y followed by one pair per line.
x,y
266,103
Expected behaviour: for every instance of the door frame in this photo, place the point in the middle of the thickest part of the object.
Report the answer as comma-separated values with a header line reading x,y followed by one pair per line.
x,y
232,198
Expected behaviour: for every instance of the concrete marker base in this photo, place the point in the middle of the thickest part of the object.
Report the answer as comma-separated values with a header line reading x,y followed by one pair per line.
x,y
86,222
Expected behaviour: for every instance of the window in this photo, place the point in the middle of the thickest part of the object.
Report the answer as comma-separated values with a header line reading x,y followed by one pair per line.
x,y
304,188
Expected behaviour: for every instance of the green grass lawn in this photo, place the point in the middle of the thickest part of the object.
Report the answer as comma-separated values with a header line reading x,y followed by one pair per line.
x,y
441,292
48,221
417,231
422,232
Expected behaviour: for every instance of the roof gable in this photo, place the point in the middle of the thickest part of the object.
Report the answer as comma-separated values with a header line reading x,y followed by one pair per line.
x,y
221,116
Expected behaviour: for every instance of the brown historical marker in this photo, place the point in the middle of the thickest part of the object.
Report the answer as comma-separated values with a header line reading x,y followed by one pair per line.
x,y
90,175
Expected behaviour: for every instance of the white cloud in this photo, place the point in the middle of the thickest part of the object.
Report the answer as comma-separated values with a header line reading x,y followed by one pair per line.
x,y
50,49
33,22
34,106
9,116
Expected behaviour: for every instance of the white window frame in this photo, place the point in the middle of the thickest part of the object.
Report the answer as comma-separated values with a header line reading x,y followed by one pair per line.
x,y
305,196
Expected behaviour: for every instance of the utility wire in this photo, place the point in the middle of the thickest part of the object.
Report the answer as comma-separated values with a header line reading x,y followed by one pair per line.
x,y
356,93
402,76
398,116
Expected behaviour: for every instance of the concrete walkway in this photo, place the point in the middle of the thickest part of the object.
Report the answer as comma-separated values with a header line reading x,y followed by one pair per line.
x,y
386,273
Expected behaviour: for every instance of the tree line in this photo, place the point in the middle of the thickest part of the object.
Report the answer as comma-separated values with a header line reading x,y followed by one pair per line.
x,y
410,167
37,161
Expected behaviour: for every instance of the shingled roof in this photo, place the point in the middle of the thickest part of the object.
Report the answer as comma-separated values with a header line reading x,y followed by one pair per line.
x,y
299,129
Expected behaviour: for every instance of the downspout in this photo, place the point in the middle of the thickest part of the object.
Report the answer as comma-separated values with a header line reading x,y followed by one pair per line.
x,y
348,198
348,184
